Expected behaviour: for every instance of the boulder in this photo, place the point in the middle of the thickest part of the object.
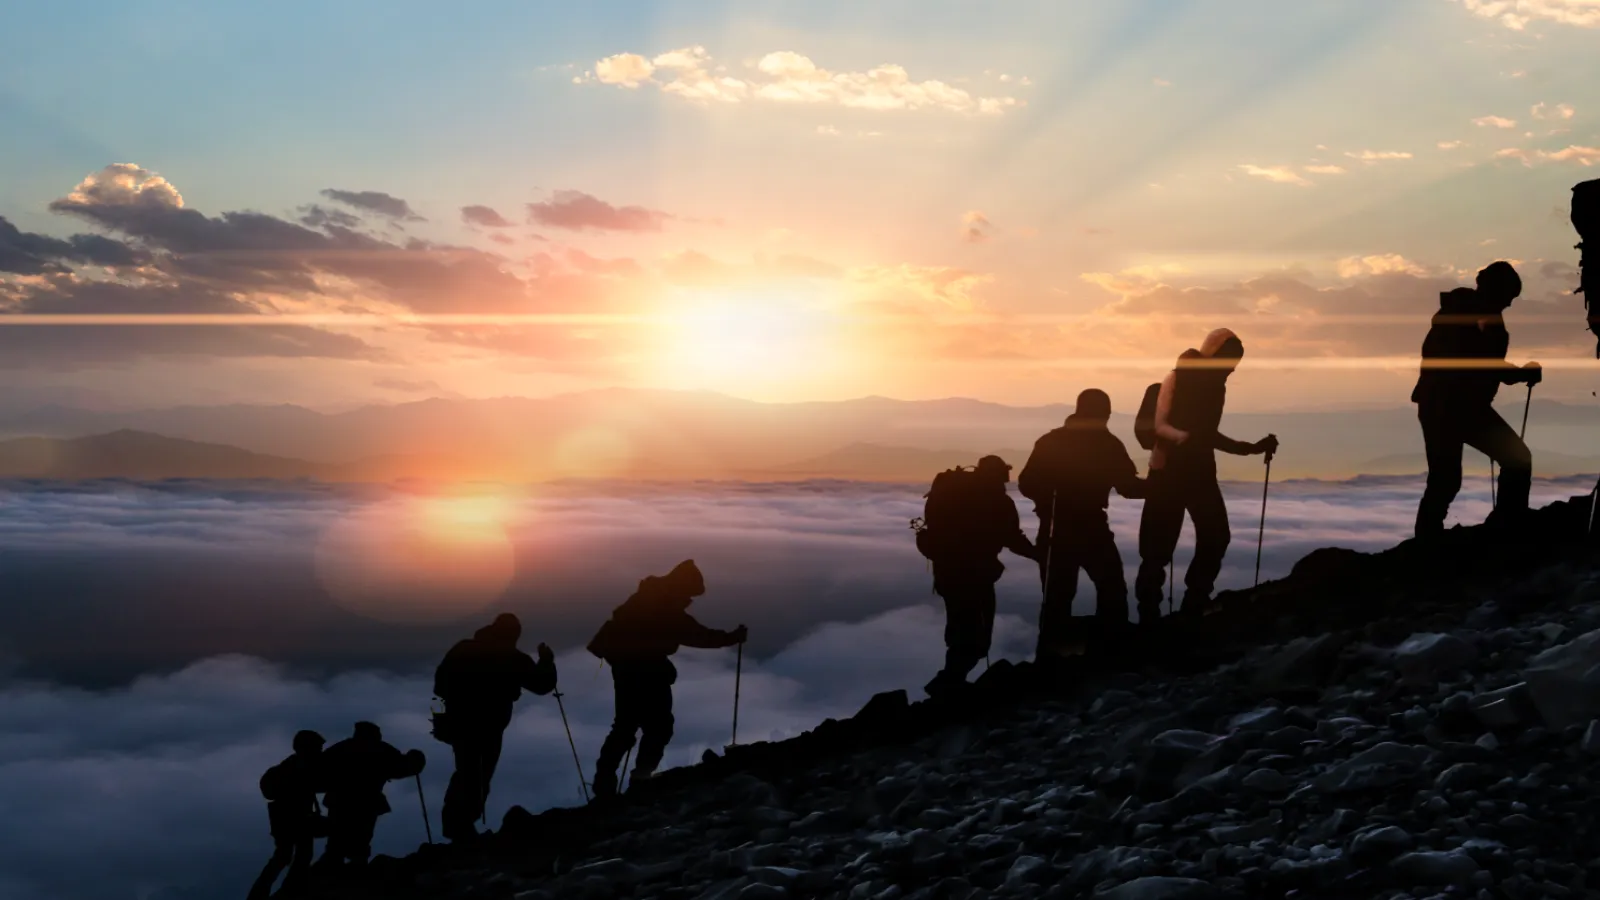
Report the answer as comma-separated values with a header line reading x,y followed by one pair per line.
x,y
1564,681
1423,658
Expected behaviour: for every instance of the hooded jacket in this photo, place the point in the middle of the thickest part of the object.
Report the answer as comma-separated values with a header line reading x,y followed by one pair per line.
x,y
1463,329
653,623
482,676
357,769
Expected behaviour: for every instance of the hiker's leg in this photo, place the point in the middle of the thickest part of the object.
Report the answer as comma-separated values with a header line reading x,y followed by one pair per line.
x,y
656,723
1441,438
282,855
1493,436
1211,539
624,725
1160,523
1055,613
359,848
463,797
1103,563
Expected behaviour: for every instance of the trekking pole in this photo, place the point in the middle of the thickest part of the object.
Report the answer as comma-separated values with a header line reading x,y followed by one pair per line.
x,y
1527,404
1050,545
622,779
1261,530
582,785
738,676
427,827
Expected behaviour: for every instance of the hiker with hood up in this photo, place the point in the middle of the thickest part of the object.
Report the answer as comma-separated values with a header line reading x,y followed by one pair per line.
x,y
479,681
356,770
1069,477
969,519
638,641
291,789
1463,366
1183,475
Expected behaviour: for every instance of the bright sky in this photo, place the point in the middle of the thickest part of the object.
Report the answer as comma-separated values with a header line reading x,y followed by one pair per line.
x,y
810,199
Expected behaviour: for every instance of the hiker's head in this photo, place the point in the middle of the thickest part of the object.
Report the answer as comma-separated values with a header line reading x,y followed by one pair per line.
x,y
1498,285
1094,405
368,731
308,742
995,468
1220,352
504,631
685,580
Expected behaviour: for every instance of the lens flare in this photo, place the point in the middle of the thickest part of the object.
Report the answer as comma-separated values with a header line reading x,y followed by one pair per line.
x,y
419,559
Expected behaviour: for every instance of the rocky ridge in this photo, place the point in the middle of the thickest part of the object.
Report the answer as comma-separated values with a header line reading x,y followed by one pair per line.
x,y
1422,722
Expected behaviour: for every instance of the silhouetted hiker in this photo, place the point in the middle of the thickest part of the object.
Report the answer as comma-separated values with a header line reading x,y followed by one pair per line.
x,y
638,641
479,681
291,789
1463,366
1183,475
1069,477
355,771
968,519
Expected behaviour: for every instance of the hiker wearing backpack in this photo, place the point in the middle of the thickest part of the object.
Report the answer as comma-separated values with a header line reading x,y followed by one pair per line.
x,y
1467,345
638,642
291,789
355,771
1069,477
967,520
479,681
1184,439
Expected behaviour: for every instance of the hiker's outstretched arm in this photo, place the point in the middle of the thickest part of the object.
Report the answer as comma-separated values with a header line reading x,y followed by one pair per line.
x,y
693,634
1229,445
1125,478
538,677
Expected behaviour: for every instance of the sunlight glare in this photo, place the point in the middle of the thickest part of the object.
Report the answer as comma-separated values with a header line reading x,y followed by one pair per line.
x,y
420,559
737,339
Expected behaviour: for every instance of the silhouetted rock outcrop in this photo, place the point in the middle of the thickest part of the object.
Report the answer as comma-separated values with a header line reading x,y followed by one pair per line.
x,y
1420,719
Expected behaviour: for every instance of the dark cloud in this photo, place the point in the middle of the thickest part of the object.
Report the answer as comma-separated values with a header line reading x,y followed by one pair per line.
x,y
317,216
374,202
26,253
484,216
577,211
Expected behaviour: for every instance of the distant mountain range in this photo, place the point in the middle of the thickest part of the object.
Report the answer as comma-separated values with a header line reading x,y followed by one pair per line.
x,y
672,435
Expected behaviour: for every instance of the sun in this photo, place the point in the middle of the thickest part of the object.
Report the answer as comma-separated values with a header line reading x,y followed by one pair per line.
x,y
746,340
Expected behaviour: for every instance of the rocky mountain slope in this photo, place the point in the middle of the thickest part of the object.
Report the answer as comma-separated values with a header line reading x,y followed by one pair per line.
x,y
1414,723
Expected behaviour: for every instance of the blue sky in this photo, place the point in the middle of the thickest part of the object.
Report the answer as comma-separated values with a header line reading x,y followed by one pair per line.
x,y
1035,158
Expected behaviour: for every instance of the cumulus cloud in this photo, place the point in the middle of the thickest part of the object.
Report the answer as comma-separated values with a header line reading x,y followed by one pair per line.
x,y
27,253
577,211
975,227
787,77
1376,156
374,202
1517,14
1559,111
1384,264
1278,174
122,184
1583,156
485,216
1494,122
937,286
1325,169
1451,145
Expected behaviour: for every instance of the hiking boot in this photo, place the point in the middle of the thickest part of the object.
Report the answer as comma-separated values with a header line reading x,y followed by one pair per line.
x,y
604,786
942,684
639,781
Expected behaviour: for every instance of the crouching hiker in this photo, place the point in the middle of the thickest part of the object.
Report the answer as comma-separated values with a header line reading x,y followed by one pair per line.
x,y
638,641
291,789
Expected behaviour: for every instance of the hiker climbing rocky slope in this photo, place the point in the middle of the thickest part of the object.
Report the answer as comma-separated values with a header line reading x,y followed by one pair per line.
x,y
1419,722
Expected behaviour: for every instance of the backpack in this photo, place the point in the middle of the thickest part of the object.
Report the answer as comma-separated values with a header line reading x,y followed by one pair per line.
x,y
274,782
1144,423
604,643
947,514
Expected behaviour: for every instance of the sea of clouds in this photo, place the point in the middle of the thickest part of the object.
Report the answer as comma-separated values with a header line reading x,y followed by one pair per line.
x,y
165,642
